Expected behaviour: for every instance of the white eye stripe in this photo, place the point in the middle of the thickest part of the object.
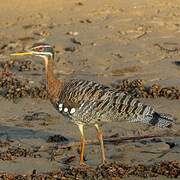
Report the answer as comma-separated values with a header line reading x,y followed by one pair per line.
x,y
41,46
42,53
35,52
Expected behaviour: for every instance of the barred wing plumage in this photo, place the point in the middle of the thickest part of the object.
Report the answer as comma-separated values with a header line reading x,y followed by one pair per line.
x,y
88,102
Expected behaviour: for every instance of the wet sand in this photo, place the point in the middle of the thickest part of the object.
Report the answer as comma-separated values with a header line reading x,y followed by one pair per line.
x,y
105,41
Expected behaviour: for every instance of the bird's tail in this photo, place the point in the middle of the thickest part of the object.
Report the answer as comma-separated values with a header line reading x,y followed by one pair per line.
x,y
159,119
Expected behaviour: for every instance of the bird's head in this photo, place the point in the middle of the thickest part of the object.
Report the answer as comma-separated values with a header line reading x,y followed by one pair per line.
x,y
39,49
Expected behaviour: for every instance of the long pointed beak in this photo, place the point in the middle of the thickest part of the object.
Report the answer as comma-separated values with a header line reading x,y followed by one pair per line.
x,y
21,54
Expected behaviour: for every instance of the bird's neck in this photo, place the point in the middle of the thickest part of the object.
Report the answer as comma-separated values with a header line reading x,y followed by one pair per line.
x,y
54,86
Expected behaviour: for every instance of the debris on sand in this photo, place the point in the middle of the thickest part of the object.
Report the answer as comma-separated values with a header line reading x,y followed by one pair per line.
x,y
167,50
109,171
36,116
75,41
69,159
139,89
13,152
177,63
18,65
13,88
4,143
57,138
72,33
70,49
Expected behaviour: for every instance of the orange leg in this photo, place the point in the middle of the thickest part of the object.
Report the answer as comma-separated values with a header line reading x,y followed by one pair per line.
x,y
100,137
82,144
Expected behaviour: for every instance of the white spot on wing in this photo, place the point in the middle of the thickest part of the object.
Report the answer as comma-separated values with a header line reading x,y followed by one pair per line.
x,y
65,109
72,110
60,105
81,106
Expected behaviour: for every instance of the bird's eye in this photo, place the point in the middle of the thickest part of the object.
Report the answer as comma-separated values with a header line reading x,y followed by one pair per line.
x,y
40,49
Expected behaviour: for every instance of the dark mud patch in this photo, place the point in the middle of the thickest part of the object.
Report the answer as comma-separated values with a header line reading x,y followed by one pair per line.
x,y
37,116
120,72
57,138
177,63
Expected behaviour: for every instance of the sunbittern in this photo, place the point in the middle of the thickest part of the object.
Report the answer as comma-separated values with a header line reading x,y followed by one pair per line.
x,y
87,102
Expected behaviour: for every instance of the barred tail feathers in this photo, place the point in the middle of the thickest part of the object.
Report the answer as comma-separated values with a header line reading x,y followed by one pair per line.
x,y
159,119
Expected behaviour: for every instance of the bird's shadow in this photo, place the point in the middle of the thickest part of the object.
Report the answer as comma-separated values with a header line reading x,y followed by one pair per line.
x,y
18,133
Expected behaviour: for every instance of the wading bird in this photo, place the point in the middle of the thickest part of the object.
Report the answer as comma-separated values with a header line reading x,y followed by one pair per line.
x,y
88,103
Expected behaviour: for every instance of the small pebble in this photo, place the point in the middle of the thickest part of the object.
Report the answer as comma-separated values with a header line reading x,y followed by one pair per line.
x,y
72,33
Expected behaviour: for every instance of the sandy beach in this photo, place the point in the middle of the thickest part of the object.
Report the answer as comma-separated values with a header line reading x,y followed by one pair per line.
x,y
100,40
